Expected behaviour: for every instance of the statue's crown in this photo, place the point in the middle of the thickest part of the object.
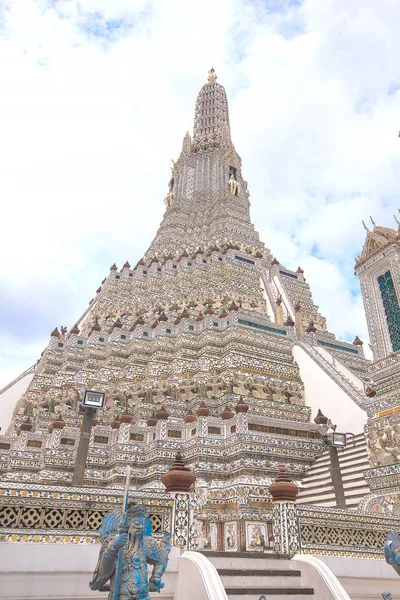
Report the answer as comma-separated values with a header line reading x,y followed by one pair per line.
x,y
137,510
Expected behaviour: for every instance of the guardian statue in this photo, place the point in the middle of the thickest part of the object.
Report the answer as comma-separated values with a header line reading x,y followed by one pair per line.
x,y
127,546
391,550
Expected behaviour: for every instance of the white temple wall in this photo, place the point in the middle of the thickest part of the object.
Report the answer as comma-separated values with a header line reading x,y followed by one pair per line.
x,y
364,578
60,571
322,392
9,399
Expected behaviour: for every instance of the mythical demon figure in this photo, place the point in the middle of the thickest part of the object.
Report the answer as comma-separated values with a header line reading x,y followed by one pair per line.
x,y
127,569
392,550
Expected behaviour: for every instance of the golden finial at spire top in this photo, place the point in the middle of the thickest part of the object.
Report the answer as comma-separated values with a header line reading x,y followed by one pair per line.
x,y
212,76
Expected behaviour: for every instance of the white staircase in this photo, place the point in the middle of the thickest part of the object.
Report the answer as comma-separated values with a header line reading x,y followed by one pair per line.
x,y
317,487
249,575
337,371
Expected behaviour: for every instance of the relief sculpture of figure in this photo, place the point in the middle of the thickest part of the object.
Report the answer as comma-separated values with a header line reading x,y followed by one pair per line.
x,y
127,546
169,198
233,185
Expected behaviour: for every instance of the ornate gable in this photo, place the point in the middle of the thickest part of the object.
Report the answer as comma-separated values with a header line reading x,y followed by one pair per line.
x,y
376,239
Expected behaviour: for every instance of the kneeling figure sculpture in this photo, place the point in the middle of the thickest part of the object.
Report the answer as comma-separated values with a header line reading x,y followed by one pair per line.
x,y
127,568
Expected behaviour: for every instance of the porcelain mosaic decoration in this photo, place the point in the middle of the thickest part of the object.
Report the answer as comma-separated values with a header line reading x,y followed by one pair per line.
x,y
193,348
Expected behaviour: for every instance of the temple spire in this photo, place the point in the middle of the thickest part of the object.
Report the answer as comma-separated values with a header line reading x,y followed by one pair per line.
x,y
187,143
211,115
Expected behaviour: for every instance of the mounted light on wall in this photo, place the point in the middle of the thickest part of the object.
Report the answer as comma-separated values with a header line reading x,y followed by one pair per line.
x,y
339,440
94,399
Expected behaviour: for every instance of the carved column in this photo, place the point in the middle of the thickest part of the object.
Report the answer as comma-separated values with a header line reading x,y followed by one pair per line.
x,y
181,520
279,311
299,321
220,537
284,515
178,482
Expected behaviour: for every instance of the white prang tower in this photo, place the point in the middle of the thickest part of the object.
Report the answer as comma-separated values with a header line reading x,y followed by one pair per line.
x,y
378,268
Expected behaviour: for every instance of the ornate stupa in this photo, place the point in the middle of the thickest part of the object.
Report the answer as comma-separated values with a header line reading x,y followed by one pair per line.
x,y
208,346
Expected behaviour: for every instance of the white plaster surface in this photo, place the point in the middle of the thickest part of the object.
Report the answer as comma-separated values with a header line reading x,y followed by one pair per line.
x,y
364,579
60,571
9,399
322,392
198,579
316,574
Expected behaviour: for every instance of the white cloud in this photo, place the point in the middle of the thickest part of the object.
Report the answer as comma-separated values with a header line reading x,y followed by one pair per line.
x,y
95,98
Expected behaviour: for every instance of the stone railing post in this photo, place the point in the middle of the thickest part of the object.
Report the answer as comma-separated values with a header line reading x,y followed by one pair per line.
x,y
178,483
284,515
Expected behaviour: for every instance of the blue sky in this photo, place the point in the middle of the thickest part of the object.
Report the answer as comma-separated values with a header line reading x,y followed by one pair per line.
x,y
95,98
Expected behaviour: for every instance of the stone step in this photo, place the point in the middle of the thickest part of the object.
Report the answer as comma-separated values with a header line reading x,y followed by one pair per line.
x,y
357,466
247,560
251,578
253,554
319,500
324,461
360,465
327,480
331,502
327,483
245,583
350,490
317,486
355,458
276,593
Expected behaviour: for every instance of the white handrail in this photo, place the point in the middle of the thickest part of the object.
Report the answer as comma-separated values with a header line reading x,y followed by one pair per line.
x,y
329,578
213,587
27,372
354,393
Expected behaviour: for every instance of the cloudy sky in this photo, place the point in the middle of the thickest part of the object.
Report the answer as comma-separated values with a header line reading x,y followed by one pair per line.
x,y
95,97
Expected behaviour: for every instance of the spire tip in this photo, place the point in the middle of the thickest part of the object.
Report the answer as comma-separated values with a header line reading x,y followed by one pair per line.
x,y
212,76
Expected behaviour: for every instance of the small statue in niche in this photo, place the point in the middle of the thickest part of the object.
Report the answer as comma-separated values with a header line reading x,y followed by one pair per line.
x,y
131,532
233,184
169,198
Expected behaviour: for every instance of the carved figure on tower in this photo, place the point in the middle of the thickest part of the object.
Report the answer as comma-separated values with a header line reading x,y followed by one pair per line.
x,y
233,184
168,198
131,532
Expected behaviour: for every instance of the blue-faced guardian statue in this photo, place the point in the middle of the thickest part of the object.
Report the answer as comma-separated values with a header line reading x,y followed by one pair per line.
x,y
391,550
127,546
